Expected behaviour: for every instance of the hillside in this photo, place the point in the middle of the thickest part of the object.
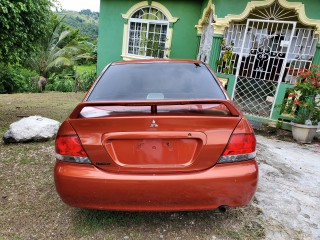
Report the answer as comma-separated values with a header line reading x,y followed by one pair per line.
x,y
85,20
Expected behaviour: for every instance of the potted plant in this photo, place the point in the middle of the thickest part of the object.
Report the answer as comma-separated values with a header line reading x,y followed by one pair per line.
x,y
303,103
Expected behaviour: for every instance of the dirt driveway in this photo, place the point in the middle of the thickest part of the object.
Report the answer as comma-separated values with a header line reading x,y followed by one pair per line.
x,y
289,189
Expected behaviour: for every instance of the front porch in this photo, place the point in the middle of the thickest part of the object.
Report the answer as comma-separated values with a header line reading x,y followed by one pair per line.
x,y
257,54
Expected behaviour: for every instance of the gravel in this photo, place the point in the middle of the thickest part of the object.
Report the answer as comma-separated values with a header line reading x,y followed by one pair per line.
x,y
289,188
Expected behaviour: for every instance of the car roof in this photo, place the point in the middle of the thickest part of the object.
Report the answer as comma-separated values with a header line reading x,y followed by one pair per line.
x,y
160,60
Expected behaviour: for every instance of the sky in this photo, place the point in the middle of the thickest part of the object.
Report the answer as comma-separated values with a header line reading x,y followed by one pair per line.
x,y
78,5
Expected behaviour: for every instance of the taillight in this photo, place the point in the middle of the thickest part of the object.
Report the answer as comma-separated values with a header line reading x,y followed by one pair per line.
x,y
69,149
241,147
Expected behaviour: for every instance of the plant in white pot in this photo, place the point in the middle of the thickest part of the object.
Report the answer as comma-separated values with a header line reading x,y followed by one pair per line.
x,y
303,103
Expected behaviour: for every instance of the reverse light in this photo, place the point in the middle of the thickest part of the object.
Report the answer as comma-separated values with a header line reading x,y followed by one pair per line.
x,y
69,149
241,147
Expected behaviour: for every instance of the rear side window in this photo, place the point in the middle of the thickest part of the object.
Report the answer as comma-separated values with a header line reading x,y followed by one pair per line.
x,y
156,81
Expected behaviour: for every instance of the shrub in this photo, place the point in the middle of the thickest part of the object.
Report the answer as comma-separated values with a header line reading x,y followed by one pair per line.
x,y
15,79
85,80
303,101
62,82
65,82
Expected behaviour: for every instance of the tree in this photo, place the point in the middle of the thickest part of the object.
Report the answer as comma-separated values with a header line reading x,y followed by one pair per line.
x,y
62,48
86,12
85,20
22,24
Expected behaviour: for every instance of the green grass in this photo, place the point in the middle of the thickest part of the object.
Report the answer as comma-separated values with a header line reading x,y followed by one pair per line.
x,y
26,160
53,105
86,68
235,224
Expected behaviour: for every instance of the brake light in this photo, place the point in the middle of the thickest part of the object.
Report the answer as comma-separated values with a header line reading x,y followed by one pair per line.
x,y
69,149
241,147
240,144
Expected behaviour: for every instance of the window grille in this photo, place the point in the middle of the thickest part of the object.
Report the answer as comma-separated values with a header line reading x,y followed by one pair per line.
x,y
148,30
301,53
232,42
300,56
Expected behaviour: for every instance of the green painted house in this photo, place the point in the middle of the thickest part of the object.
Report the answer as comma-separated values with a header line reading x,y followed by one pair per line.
x,y
255,47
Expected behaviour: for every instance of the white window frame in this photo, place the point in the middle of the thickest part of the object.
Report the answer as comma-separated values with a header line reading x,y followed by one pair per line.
x,y
148,22
126,17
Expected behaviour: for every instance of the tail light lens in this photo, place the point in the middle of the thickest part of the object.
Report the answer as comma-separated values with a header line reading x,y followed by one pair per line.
x,y
69,149
241,147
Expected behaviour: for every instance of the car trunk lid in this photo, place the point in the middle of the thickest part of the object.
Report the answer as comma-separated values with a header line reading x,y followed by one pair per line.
x,y
148,138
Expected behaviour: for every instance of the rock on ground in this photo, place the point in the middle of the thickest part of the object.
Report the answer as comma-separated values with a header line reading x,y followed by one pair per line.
x,y
289,188
34,128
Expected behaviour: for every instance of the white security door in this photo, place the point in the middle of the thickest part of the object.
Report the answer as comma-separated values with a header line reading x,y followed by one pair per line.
x,y
261,65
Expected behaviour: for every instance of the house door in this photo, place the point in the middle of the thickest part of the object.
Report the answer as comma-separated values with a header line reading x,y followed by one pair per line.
x,y
206,40
261,65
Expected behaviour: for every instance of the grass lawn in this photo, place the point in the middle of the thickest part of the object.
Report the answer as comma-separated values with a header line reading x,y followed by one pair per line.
x,y
31,209
86,68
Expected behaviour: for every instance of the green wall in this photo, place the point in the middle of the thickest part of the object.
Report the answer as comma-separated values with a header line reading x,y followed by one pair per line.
x,y
316,59
110,32
312,8
184,42
224,7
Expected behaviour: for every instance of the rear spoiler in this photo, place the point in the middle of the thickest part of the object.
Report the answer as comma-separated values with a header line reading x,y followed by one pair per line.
x,y
153,104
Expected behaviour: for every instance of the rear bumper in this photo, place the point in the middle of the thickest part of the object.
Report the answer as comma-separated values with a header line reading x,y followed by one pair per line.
x,y
86,186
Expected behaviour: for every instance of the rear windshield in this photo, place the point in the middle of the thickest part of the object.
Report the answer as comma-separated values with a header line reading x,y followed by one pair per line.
x,y
156,81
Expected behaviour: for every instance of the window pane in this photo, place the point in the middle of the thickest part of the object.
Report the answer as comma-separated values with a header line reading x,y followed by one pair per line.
x,y
164,29
151,27
147,43
173,80
149,13
163,38
138,14
148,38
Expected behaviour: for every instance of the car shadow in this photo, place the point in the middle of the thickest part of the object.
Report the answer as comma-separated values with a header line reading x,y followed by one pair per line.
x,y
236,223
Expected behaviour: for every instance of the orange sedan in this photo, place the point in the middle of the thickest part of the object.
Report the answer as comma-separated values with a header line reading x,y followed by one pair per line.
x,y
156,135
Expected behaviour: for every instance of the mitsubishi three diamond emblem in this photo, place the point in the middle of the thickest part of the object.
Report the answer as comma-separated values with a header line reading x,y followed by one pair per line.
x,y
154,124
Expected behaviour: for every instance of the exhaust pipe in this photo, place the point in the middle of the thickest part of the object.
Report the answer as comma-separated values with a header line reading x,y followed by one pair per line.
x,y
222,209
